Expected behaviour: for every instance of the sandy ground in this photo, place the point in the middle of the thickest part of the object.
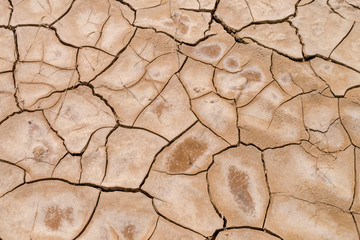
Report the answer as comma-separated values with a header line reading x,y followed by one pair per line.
x,y
179,120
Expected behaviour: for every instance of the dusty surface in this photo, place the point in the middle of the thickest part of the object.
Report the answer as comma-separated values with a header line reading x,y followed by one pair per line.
x,y
179,119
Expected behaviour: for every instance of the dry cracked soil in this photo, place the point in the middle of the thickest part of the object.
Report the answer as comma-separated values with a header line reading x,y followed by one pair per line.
x,y
179,119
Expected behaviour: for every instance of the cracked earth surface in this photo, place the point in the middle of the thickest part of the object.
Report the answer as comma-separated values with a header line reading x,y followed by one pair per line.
x,y
179,119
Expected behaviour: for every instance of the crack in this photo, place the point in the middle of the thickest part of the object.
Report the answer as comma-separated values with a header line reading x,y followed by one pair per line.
x,y
48,27
220,60
208,185
355,181
77,65
268,187
325,131
90,218
46,63
56,132
283,103
197,10
115,58
155,6
64,14
304,59
113,231
277,51
212,82
350,88
346,35
11,11
310,2
127,20
212,13
52,173
159,92
212,202
6,71
356,225
165,146
216,233
6,193
231,31
237,122
198,1
262,22
311,202
198,119
322,153
256,95
299,36
11,190
81,169
353,5
49,95
107,153
127,4
277,147
104,23
36,214
179,174
342,124
132,84
171,221
16,113
98,49
250,11
333,10
275,21
17,57
13,164
274,78
174,37
103,100
328,86
144,129
156,224
303,116
92,185
212,65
